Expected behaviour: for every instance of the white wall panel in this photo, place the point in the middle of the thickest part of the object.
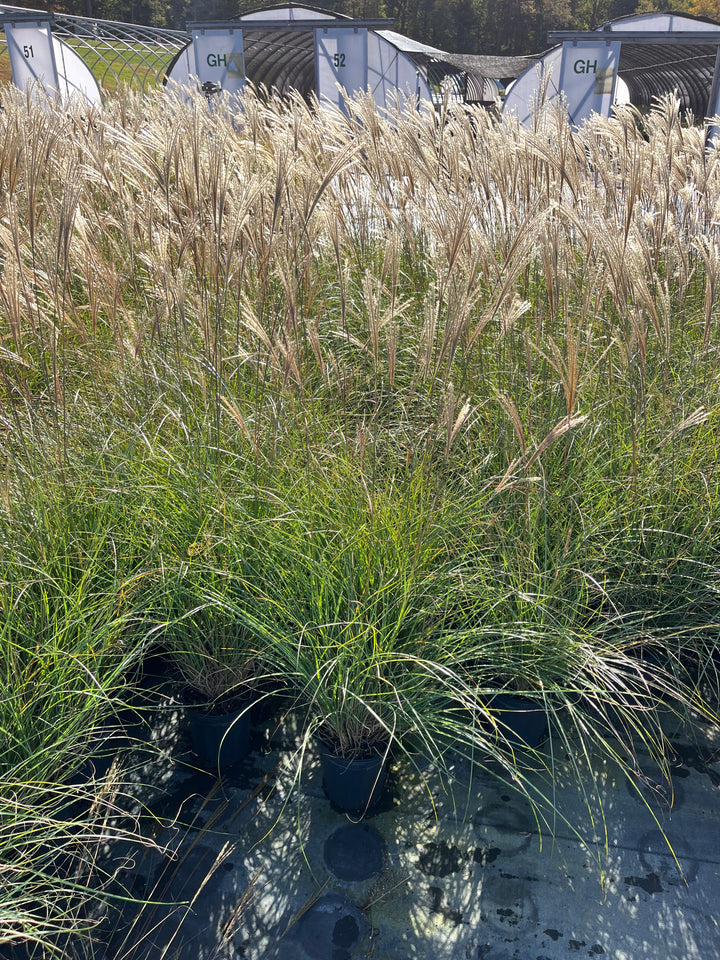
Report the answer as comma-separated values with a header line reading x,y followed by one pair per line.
x,y
392,75
32,57
340,58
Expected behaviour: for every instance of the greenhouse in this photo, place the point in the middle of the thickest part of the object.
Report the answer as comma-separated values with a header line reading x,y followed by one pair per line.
x,y
90,55
314,51
641,58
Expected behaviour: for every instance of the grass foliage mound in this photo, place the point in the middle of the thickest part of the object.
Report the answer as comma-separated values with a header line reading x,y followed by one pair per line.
x,y
401,411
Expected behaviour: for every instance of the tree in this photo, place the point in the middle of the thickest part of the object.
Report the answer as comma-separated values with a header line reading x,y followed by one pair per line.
x,y
705,8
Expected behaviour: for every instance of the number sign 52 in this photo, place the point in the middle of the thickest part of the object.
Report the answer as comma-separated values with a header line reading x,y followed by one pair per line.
x,y
339,59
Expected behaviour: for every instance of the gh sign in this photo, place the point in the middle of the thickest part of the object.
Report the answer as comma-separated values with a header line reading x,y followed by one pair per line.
x,y
588,73
219,57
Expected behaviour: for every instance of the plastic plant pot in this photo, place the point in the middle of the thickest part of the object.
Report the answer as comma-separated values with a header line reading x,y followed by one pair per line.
x,y
220,740
353,785
522,722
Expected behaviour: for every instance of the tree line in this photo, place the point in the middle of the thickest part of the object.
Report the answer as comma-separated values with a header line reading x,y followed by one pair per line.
x,y
500,27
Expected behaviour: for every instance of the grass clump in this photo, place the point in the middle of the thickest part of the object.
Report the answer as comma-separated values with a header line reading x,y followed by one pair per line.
x,y
69,648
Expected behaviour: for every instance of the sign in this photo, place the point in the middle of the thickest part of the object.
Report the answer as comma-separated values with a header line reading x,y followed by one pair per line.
x,y
340,59
588,74
219,59
32,58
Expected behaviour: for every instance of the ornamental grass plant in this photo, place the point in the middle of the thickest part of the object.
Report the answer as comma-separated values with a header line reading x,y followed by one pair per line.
x,y
352,585
427,403
68,650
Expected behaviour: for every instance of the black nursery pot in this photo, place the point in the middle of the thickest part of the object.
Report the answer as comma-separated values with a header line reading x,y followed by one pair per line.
x,y
522,722
353,785
220,740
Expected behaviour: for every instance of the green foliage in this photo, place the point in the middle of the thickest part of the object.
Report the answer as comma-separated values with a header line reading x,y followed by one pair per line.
x,y
70,641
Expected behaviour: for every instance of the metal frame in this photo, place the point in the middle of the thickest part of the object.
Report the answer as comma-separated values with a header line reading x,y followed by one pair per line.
x,y
678,37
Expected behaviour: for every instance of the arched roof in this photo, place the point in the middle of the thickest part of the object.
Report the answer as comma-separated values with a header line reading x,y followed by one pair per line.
x,y
651,71
278,58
